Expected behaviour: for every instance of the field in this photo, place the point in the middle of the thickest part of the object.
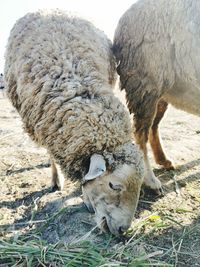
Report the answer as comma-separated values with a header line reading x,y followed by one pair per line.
x,y
43,228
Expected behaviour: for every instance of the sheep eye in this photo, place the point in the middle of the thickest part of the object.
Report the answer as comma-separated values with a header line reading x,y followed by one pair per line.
x,y
115,187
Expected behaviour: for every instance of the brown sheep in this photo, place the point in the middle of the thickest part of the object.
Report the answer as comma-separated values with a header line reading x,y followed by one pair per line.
x,y
157,47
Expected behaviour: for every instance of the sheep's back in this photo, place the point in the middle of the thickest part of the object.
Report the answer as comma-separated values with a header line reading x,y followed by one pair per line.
x,y
59,73
159,40
56,51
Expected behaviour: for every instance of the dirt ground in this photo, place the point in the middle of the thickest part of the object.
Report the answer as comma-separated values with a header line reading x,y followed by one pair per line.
x,y
27,203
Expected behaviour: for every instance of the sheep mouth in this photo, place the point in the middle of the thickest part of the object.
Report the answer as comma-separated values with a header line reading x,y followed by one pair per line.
x,y
106,226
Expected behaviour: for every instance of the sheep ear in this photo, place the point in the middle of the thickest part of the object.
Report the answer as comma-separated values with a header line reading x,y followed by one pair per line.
x,y
97,167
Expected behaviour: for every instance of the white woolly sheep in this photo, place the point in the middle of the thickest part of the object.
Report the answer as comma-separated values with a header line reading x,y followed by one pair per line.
x,y
157,47
59,74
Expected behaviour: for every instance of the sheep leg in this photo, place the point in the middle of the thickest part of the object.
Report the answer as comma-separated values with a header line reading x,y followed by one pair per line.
x,y
57,181
142,125
150,179
154,138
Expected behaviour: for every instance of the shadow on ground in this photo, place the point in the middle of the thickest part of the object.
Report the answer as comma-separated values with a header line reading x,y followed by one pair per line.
x,y
56,216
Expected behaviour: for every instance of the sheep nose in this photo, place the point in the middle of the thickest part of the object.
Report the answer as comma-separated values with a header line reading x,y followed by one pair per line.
x,y
123,229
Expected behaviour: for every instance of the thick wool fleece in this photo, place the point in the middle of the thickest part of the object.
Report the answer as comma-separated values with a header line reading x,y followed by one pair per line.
x,y
157,47
59,74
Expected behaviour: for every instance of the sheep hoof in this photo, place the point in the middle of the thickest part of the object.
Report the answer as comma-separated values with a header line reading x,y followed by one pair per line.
x,y
151,181
54,188
160,191
167,164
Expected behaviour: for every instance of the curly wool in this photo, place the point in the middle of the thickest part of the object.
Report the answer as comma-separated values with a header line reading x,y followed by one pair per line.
x,y
59,74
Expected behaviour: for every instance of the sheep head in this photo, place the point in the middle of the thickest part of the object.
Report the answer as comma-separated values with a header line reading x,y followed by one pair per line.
x,y
112,194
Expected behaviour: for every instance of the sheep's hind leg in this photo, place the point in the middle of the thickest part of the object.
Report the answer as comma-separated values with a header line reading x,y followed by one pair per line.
x,y
154,138
57,181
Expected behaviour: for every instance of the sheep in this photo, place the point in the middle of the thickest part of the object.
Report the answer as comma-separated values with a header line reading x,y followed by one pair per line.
x,y
59,75
156,44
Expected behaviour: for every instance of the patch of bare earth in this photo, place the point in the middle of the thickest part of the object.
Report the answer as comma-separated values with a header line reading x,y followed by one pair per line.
x,y
169,226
